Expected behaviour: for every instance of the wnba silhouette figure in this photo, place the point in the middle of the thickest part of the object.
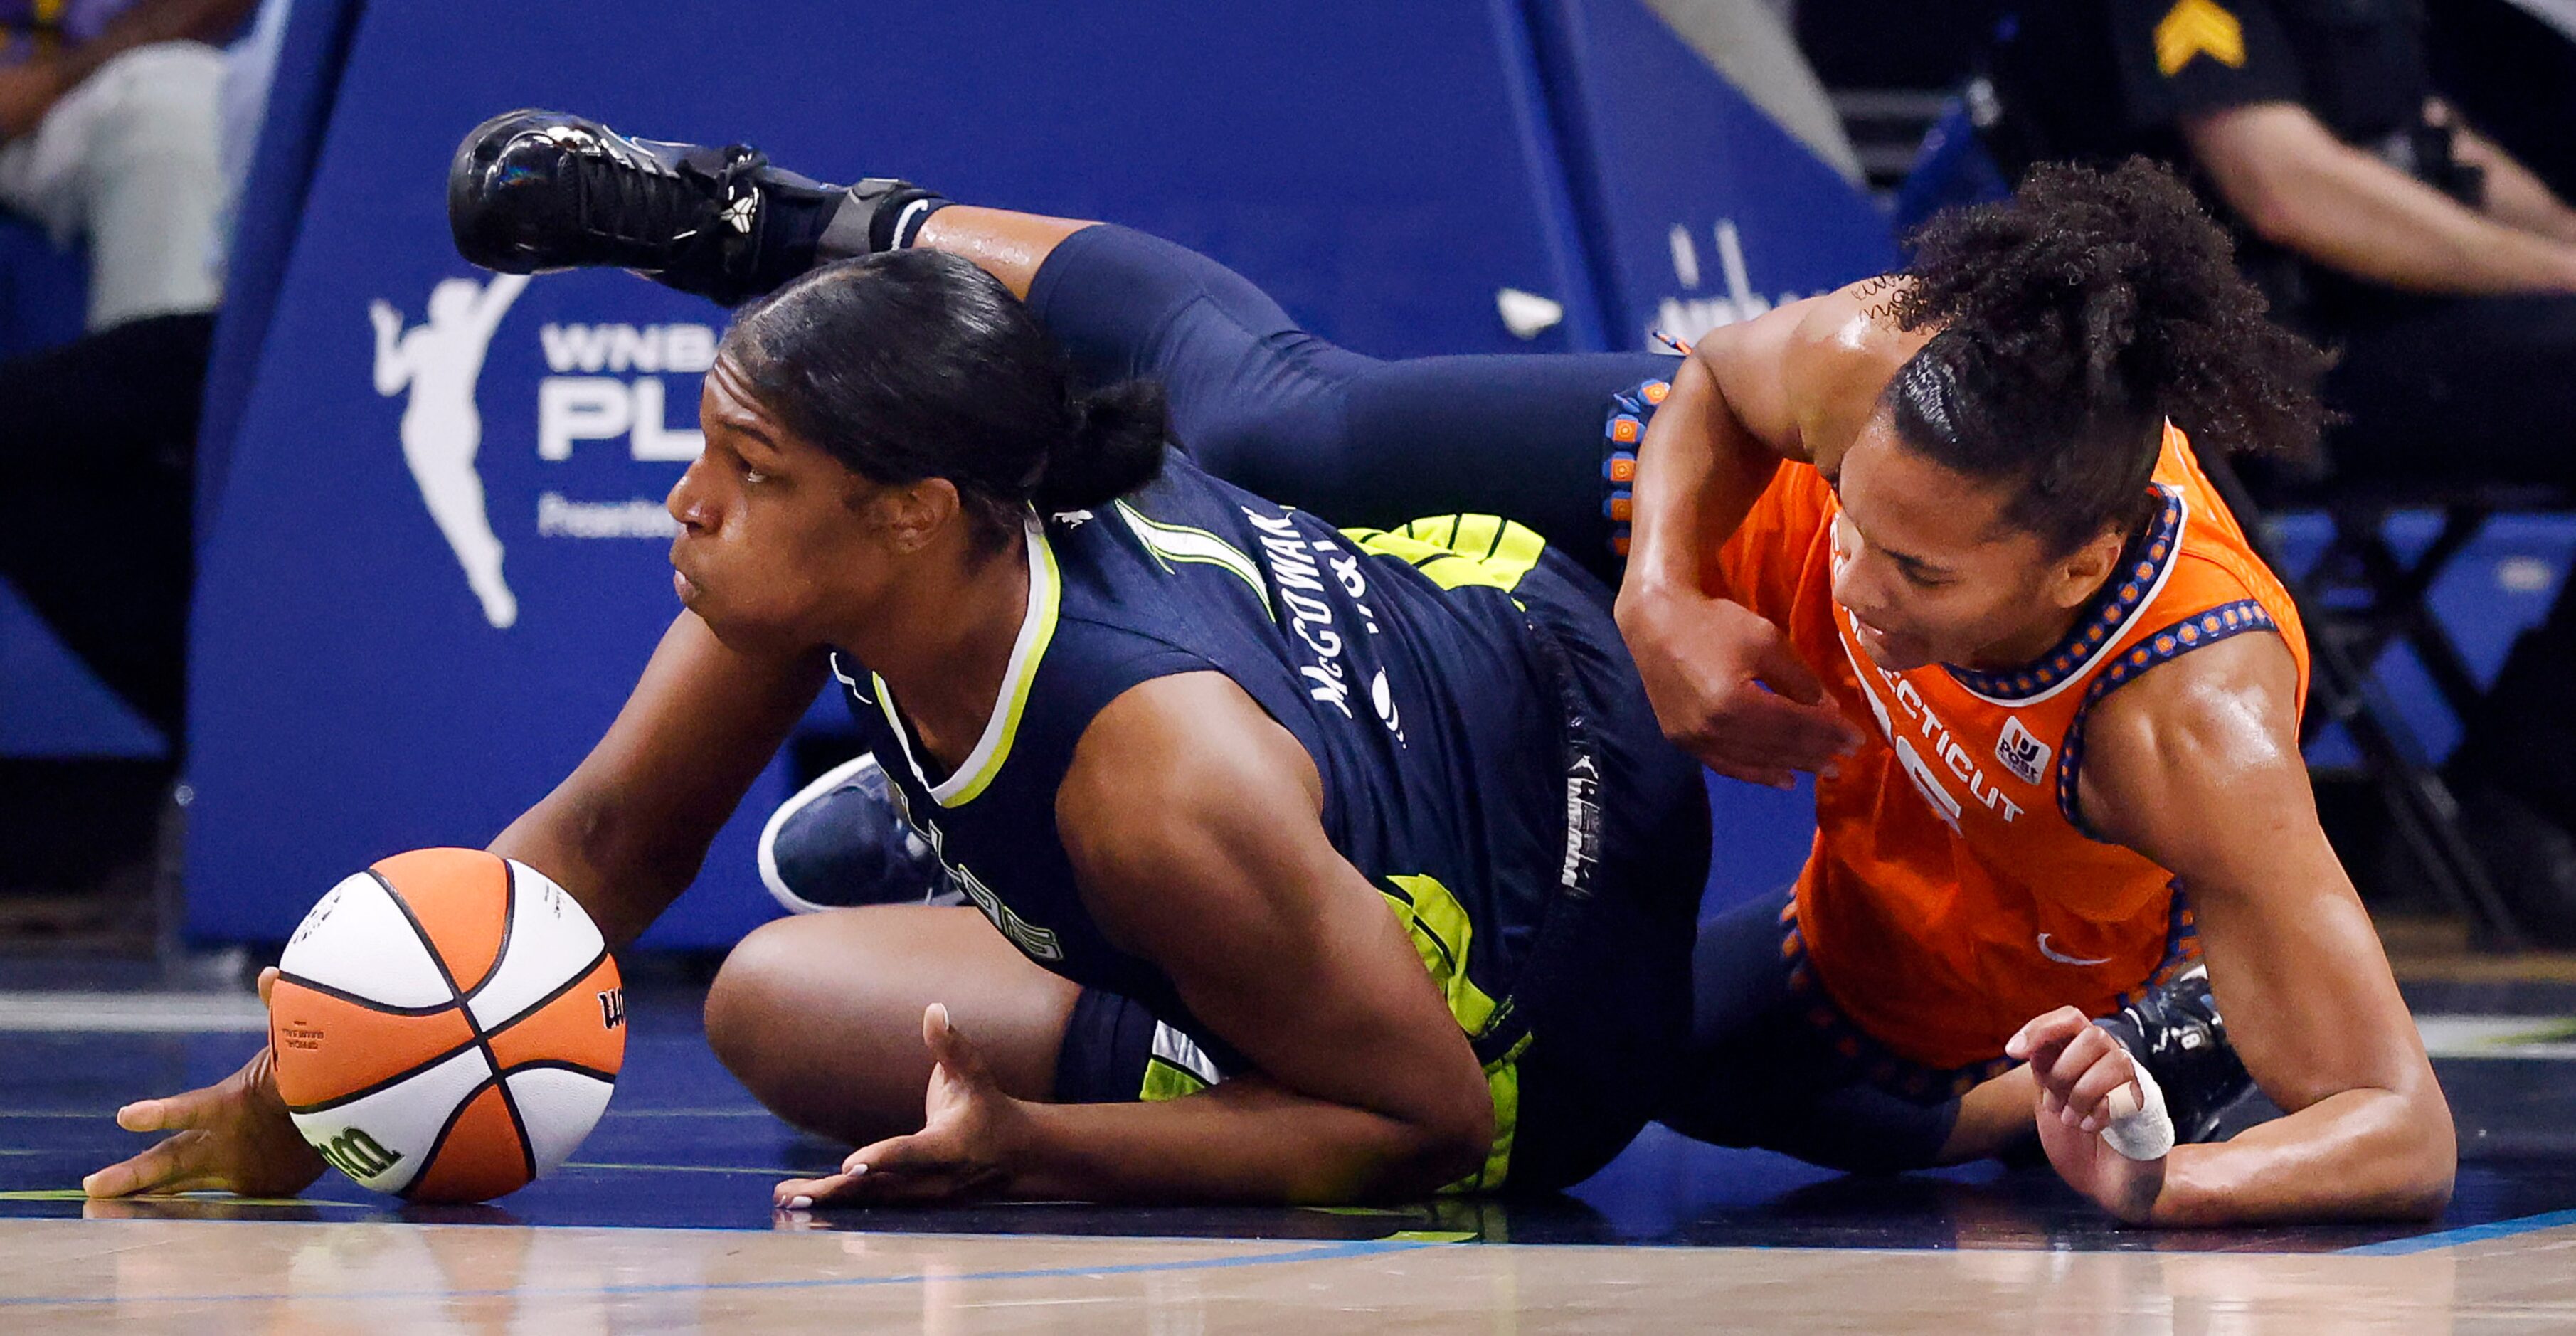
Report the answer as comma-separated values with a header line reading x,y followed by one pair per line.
x,y
441,428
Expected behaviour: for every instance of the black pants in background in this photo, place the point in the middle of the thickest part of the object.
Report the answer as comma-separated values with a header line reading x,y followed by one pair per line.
x,y
97,451
2476,388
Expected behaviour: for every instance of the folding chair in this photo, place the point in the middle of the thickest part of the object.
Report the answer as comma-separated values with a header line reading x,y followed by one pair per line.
x,y
2358,599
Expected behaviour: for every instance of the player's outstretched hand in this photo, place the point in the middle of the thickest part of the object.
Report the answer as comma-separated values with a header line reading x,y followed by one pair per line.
x,y
232,1136
965,1147
1728,688
2088,1083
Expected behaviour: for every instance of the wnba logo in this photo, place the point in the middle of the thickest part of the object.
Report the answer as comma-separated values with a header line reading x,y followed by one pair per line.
x,y
438,362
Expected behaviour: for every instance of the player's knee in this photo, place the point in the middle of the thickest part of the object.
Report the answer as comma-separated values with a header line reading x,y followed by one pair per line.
x,y
750,1008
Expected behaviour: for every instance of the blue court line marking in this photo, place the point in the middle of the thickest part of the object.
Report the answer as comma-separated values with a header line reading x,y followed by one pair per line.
x,y
2452,1238
1327,1253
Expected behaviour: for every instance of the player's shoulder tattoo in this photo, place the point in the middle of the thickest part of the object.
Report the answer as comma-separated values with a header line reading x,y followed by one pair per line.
x,y
1877,296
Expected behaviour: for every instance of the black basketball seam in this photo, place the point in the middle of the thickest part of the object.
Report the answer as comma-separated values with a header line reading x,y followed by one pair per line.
x,y
519,1125
454,1115
563,1065
427,943
369,1003
389,1082
482,1039
560,989
509,916
509,1099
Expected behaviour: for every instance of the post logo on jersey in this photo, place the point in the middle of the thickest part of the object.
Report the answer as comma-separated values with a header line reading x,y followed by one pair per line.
x,y
2025,756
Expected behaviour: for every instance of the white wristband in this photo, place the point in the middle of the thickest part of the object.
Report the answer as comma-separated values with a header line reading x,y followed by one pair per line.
x,y
2139,1131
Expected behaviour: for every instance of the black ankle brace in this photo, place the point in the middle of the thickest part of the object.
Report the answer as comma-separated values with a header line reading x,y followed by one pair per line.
x,y
888,216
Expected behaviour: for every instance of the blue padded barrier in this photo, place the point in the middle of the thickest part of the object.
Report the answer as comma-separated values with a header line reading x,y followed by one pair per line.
x,y
310,54
1696,207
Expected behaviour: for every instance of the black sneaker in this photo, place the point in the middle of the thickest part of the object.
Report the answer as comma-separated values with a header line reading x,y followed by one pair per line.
x,y
537,190
843,841
2175,1032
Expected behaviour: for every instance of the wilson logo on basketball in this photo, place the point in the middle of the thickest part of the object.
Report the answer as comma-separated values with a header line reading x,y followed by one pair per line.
x,y
357,1154
612,1008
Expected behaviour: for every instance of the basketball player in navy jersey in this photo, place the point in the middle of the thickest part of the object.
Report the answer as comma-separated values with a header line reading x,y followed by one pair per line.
x,y
1306,865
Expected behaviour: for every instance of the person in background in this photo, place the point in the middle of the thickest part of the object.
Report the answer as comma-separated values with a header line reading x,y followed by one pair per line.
x,y
124,129
2381,223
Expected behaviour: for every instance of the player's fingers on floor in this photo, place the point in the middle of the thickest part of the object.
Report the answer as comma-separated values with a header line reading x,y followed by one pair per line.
x,y
796,1194
146,1172
170,1112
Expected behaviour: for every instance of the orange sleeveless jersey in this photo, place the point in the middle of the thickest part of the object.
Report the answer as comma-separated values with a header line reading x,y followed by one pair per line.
x,y
1952,895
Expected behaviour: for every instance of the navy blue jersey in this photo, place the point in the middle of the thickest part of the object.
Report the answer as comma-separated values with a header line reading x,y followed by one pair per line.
x,y
1410,665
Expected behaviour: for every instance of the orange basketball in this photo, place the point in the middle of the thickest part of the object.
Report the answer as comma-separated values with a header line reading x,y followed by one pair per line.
x,y
447,1025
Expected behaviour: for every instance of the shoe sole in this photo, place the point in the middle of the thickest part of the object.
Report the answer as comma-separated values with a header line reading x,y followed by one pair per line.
x,y
805,797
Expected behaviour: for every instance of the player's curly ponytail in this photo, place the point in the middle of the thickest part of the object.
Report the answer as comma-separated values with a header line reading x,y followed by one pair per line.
x,y
915,364
2075,318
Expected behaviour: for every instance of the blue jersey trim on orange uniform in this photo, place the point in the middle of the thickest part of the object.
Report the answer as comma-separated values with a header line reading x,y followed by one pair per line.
x,y
1630,410
2198,631
2146,560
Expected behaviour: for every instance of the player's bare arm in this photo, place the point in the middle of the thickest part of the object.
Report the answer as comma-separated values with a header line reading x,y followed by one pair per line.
x,y
1192,821
626,831
2197,766
1797,379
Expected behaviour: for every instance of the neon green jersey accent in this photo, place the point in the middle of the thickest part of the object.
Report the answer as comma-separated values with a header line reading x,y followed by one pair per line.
x,y
1458,551
1441,934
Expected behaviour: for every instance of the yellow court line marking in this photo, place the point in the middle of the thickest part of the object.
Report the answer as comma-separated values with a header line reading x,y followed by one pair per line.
x,y
228,1198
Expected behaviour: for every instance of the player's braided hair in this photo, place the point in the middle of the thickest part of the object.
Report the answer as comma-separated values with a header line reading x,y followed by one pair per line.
x,y
915,364
2073,319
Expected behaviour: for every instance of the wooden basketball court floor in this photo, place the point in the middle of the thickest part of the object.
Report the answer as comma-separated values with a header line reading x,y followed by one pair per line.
x,y
662,1222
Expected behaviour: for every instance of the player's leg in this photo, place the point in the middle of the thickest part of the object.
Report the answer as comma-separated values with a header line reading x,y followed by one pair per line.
x,y
1759,1072
1258,400
1763,1072
819,1015
1270,407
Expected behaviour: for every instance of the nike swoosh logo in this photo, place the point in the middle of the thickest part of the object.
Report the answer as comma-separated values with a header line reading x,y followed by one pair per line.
x,y
2064,959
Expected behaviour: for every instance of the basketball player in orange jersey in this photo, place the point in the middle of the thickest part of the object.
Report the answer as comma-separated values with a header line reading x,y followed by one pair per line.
x,y
1957,508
